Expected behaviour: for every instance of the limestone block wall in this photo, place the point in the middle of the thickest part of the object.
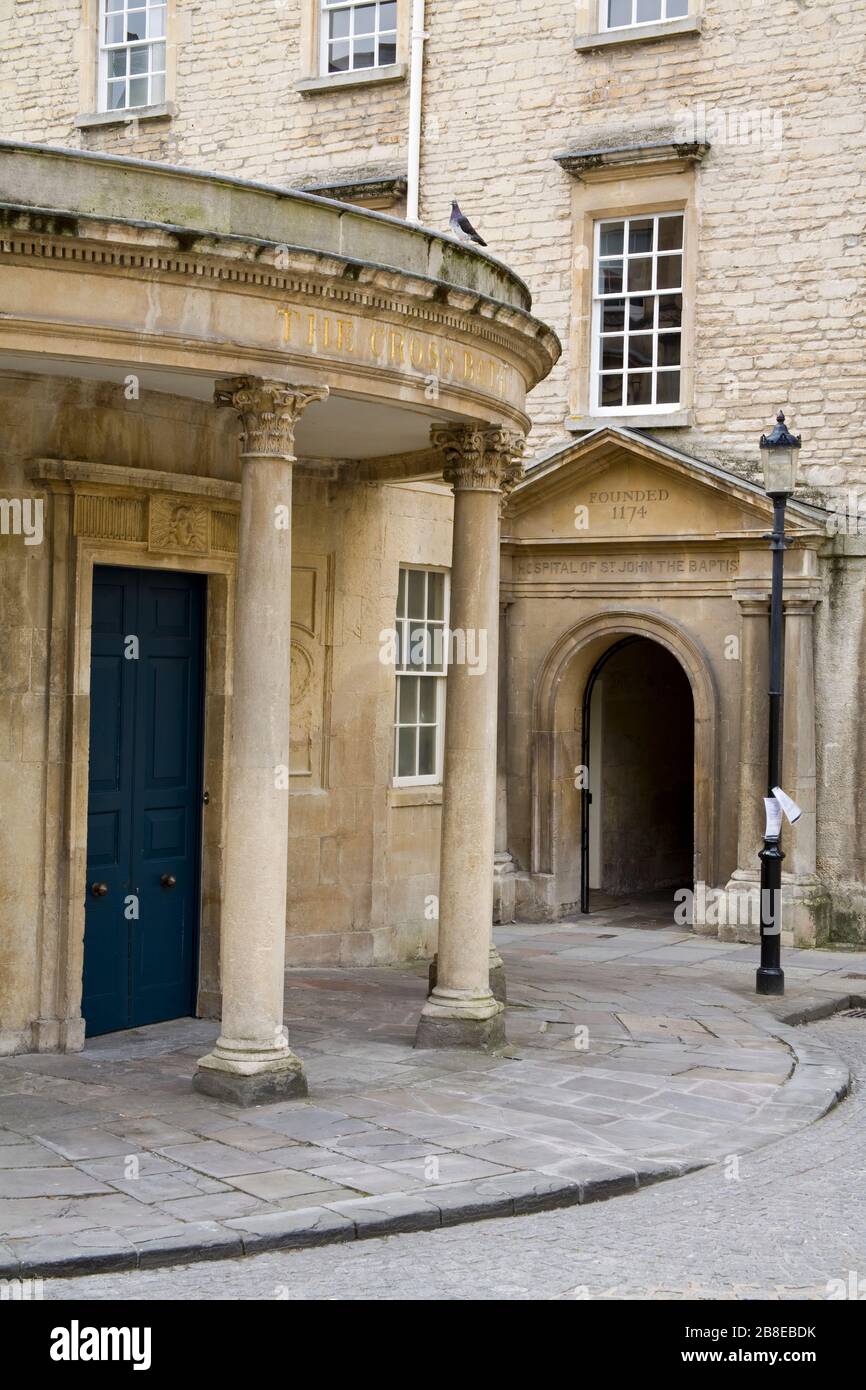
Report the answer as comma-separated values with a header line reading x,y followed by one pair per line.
x,y
776,91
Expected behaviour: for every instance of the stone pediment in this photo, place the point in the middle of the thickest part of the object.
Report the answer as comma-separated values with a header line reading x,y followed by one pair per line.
x,y
618,485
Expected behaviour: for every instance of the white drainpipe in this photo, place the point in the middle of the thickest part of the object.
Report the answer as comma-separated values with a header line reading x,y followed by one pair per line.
x,y
416,81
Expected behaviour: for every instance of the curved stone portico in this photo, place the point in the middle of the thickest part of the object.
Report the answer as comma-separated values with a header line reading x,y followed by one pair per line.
x,y
153,315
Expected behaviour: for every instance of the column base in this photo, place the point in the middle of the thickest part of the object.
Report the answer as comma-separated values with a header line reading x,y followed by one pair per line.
x,y
456,1018
241,1079
498,986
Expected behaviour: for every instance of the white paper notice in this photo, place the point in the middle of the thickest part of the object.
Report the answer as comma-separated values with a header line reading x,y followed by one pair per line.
x,y
774,818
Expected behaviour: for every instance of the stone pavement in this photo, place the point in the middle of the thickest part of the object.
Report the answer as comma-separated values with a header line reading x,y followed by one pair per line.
x,y
637,1052
790,1223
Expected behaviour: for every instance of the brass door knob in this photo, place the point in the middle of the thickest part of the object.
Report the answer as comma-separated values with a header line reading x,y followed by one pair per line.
x,y
99,890
168,880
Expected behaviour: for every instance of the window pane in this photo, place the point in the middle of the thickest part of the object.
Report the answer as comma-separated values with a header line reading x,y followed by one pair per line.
x,y
387,52
611,390
670,310
136,22
427,710
340,24
670,272
116,95
138,58
114,30
435,595
668,390
417,588
640,313
422,652
401,594
138,91
670,235
648,10
676,8
113,5
365,19
640,350
387,15
611,353
640,274
613,316
117,62
611,239
610,277
338,57
426,751
669,349
640,388
364,53
156,22
618,13
407,699
406,744
434,649
640,236
157,88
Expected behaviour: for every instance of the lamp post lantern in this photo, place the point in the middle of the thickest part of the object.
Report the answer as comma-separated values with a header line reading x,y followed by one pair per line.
x,y
779,459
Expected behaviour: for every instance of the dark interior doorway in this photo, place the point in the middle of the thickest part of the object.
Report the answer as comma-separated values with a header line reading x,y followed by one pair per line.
x,y
638,744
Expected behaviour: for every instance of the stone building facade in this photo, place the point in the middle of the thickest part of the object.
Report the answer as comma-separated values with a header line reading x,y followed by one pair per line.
x,y
716,148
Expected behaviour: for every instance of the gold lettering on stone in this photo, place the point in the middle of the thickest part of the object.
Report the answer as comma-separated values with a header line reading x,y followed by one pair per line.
x,y
417,354
630,567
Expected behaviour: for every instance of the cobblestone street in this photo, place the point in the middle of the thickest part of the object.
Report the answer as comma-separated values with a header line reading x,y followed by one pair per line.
x,y
784,1229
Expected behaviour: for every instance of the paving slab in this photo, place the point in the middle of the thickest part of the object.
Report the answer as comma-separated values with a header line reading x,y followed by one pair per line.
x,y
636,1053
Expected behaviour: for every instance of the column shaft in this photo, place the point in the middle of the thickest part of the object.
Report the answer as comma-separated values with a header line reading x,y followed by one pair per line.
x,y
798,734
252,1060
461,1009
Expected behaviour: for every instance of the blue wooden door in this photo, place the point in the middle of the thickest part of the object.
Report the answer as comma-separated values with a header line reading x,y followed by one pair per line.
x,y
146,685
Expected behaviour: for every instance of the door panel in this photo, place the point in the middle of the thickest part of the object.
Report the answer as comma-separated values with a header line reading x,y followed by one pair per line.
x,y
144,818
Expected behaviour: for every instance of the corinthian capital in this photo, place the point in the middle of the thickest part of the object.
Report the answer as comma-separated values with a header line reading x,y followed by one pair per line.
x,y
480,458
269,411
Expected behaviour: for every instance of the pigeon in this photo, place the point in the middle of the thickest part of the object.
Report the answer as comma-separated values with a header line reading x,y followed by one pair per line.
x,y
462,227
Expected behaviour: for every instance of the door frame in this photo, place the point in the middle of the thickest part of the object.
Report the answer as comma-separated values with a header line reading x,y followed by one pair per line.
x,y
102,498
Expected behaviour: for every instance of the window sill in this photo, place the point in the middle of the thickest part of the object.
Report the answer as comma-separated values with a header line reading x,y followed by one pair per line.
x,y
674,419
93,119
363,77
415,796
640,33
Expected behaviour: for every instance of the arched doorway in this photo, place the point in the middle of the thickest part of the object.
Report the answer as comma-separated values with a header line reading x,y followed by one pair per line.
x,y
638,753
557,748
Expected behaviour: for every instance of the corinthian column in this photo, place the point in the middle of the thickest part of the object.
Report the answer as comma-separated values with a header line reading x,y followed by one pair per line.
x,y
461,1011
252,1060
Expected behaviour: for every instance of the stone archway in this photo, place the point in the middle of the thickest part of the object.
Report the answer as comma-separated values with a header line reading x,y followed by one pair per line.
x,y
556,746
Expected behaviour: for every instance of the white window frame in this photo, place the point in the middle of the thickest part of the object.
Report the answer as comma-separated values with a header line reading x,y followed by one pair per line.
x,y
439,676
598,299
634,23
104,49
327,8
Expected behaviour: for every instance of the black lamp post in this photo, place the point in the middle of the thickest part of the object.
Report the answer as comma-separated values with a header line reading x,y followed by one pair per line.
x,y
779,457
